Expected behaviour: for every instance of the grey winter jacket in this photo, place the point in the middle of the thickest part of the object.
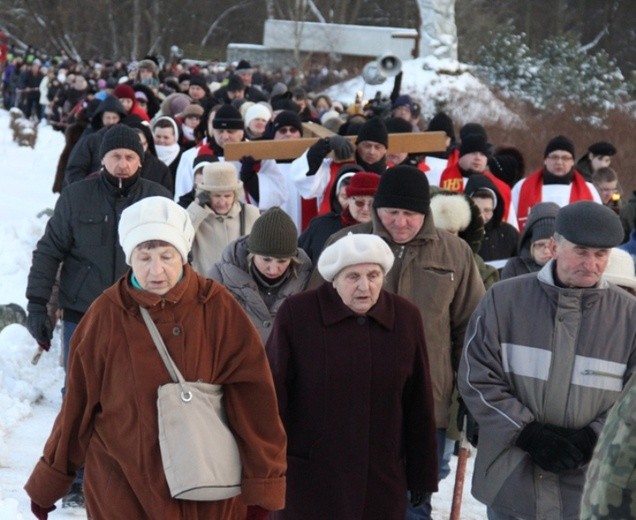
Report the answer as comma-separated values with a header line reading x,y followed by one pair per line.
x,y
82,235
538,352
233,272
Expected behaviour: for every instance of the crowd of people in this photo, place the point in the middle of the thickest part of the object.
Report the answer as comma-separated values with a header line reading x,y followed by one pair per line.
x,y
384,290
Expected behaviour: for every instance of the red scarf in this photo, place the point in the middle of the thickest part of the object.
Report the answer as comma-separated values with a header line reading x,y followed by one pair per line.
x,y
531,191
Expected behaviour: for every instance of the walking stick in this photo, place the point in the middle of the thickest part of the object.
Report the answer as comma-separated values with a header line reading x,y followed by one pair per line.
x,y
460,473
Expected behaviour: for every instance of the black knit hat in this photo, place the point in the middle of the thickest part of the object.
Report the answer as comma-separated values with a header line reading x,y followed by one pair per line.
x,y
398,125
474,143
243,65
374,130
560,142
288,118
235,83
228,117
284,101
472,128
602,148
273,234
121,136
403,187
199,81
589,224
442,123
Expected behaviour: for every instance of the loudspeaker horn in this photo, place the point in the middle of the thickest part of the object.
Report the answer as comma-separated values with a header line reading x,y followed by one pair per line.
x,y
372,75
389,65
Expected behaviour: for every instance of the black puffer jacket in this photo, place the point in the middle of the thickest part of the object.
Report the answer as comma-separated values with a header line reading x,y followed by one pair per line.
x,y
82,235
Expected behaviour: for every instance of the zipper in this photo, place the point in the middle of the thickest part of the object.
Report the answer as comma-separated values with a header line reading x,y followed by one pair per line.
x,y
590,372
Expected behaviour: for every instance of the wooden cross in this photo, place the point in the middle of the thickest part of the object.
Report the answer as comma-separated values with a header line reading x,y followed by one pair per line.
x,y
415,142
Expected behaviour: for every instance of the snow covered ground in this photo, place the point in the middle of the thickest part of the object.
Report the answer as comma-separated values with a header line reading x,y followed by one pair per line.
x,y
30,395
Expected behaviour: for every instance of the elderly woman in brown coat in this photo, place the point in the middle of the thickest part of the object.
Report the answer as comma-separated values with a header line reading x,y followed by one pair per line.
x,y
354,392
108,421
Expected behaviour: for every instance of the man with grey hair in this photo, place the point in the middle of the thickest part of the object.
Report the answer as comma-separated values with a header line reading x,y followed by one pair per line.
x,y
545,358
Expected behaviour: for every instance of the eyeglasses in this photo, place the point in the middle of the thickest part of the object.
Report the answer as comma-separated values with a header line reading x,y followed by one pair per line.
x,y
288,130
361,203
561,158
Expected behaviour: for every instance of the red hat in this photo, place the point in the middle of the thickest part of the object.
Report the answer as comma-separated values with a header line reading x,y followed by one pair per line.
x,y
124,91
363,183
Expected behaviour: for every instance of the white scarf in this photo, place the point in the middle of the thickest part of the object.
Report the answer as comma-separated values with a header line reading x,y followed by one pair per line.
x,y
188,132
167,154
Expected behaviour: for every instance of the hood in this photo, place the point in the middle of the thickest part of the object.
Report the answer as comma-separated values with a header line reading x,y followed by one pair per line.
x,y
538,212
109,104
477,182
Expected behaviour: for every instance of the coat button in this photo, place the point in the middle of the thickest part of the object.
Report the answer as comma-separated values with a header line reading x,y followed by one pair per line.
x,y
176,331
267,324
361,320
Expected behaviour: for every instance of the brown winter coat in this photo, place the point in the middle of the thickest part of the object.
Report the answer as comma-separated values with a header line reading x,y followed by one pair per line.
x,y
108,420
436,271
355,396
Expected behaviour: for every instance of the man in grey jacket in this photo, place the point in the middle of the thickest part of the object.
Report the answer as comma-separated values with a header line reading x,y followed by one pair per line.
x,y
545,357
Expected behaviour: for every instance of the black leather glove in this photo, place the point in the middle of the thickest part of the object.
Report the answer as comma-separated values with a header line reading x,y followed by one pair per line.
x,y
549,448
203,199
316,153
249,176
341,146
472,428
39,324
417,498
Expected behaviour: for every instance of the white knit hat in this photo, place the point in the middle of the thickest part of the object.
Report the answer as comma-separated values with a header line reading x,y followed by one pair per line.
x,y
257,111
620,268
354,249
155,218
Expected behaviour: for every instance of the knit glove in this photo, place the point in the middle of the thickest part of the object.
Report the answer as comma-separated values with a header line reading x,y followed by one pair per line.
x,y
41,513
39,324
472,428
341,147
549,448
249,170
256,513
203,199
316,153
418,498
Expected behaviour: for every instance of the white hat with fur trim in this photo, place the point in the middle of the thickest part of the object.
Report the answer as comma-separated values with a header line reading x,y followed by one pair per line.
x,y
155,218
354,249
620,269
450,212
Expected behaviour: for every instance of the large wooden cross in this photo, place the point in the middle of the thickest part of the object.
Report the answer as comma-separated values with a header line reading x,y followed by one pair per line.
x,y
416,142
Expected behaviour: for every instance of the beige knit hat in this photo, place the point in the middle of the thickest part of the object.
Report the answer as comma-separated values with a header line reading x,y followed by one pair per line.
x,y
620,268
220,176
155,218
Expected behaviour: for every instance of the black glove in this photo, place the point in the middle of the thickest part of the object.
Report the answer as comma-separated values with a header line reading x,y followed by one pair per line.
x,y
39,324
203,199
549,448
472,428
316,153
418,498
249,176
341,146
583,439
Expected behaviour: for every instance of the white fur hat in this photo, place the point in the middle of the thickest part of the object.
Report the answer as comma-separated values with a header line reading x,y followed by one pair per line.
x,y
354,249
155,218
450,212
620,268
257,111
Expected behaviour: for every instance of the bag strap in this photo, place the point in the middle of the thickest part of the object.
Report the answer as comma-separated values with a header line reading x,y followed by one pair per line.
x,y
161,347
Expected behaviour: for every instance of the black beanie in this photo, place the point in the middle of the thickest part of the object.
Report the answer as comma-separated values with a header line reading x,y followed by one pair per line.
x,y
398,125
403,187
228,117
199,81
288,118
474,143
560,142
273,234
374,130
602,148
589,224
442,123
235,83
472,128
121,136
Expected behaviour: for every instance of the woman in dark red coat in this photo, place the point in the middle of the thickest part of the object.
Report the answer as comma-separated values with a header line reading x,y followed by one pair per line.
x,y
354,392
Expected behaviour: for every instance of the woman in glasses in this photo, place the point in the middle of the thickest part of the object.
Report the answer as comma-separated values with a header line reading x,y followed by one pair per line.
x,y
356,209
